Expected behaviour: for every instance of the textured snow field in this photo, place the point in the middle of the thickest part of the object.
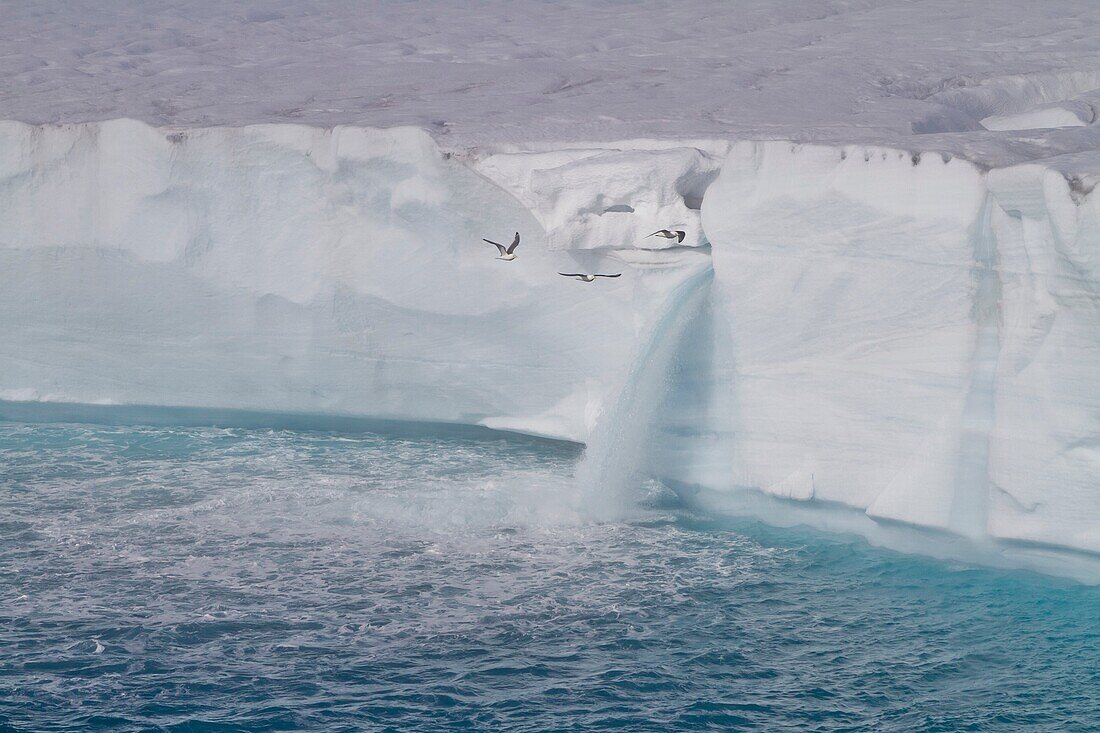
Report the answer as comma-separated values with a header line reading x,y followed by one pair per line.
x,y
491,72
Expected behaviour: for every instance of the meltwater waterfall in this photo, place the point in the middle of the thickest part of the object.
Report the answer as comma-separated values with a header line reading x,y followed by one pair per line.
x,y
617,459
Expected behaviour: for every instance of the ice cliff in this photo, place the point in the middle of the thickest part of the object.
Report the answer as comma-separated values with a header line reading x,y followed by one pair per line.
x,y
912,336
339,271
907,334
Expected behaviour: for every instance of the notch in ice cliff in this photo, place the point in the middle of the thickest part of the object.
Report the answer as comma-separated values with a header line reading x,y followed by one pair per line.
x,y
610,197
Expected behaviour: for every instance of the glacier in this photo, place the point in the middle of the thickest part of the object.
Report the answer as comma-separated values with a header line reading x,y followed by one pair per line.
x,y
908,335
884,317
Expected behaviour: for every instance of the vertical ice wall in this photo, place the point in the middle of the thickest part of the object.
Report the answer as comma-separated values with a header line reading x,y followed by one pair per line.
x,y
847,278
905,335
1045,445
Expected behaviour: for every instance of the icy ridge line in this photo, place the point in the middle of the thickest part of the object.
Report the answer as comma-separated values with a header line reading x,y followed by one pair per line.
x,y
906,333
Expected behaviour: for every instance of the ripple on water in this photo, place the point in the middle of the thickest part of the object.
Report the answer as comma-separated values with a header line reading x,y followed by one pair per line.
x,y
239,579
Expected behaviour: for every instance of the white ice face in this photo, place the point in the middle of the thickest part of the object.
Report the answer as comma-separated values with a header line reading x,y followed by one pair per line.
x,y
1045,436
909,337
291,268
849,278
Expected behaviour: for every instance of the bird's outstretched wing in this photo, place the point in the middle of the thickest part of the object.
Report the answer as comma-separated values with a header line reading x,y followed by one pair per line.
x,y
680,236
659,231
571,274
515,243
617,274
498,246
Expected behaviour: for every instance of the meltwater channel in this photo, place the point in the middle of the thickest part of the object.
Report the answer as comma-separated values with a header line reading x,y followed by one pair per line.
x,y
336,577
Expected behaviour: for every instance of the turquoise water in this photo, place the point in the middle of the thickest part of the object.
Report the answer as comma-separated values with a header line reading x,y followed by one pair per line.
x,y
205,579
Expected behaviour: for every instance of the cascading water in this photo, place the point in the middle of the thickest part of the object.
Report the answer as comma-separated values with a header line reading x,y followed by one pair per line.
x,y
615,461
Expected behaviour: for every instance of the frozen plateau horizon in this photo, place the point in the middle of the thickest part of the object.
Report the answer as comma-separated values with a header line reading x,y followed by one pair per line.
x,y
884,317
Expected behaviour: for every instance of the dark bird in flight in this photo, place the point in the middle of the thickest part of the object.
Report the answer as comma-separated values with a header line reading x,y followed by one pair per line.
x,y
585,277
505,254
677,234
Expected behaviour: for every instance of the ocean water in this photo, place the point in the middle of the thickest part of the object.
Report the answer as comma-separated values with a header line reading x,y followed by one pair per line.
x,y
250,578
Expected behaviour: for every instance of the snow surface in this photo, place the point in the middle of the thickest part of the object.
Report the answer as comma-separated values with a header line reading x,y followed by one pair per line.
x,y
887,299
520,71
1049,115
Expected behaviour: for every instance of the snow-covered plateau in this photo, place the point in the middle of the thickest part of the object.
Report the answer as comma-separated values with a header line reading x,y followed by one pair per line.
x,y
884,315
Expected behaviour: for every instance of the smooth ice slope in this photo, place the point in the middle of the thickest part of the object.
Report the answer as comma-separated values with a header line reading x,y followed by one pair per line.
x,y
292,268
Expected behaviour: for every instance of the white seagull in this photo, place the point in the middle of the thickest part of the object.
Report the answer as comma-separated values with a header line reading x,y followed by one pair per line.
x,y
585,277
505,254
677,234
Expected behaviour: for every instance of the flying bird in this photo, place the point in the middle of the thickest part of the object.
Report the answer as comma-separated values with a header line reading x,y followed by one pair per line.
x,y
585,277
505,254
677,234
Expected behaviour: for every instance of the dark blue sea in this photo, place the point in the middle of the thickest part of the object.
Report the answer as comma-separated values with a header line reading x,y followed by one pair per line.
x,y
263,578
